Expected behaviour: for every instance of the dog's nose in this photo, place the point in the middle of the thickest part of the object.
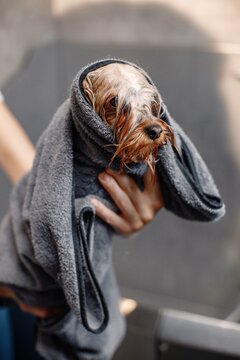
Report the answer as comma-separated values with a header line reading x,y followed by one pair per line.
x,y
153,131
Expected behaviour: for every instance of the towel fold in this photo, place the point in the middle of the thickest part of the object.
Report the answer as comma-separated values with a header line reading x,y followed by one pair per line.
x,y
188,188
52,242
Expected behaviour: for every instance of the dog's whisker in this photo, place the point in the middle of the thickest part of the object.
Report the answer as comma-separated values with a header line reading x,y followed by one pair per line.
x,y
108,145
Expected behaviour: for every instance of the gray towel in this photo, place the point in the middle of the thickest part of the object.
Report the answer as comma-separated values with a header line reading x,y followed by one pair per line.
x,y
53,250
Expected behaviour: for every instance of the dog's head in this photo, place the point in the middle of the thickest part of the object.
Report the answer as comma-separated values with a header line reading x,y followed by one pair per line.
x,y
131,106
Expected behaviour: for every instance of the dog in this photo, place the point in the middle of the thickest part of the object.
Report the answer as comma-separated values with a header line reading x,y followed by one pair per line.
x,y
132,107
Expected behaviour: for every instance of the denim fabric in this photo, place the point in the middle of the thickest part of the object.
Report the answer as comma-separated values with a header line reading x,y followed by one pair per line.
x,y
6,341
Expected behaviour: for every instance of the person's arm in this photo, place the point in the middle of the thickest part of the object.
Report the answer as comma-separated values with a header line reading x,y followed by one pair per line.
x,y
16,150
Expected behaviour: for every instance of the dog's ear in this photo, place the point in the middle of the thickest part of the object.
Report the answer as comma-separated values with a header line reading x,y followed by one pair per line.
x,y
88,90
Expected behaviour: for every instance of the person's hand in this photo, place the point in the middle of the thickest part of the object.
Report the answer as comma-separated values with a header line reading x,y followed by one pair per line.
x,y
137,208
40,312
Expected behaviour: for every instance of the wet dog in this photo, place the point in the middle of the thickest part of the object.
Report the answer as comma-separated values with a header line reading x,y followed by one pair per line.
x,y
132,107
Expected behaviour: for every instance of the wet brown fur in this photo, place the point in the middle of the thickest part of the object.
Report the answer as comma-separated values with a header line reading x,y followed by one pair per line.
x,y
138,107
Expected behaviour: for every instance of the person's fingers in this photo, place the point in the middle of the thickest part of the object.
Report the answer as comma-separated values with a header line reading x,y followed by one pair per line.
x,y
7,293
125,181
42,313
120,224
39,312
143,201
130,188
149,179
120,197
137,208
153,191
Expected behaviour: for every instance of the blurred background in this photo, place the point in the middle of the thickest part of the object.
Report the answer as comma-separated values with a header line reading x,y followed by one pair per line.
x,y
191,49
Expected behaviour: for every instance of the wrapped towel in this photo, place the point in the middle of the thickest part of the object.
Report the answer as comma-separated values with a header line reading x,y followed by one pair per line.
x,y
54,251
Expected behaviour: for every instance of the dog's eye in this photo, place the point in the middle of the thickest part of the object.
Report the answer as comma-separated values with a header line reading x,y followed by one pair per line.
x,y
114,101
155,107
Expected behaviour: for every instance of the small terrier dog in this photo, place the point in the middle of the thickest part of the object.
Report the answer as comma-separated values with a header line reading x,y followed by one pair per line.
x,y
123,97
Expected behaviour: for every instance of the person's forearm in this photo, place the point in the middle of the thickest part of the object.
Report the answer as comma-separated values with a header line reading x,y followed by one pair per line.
x,y
16,150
